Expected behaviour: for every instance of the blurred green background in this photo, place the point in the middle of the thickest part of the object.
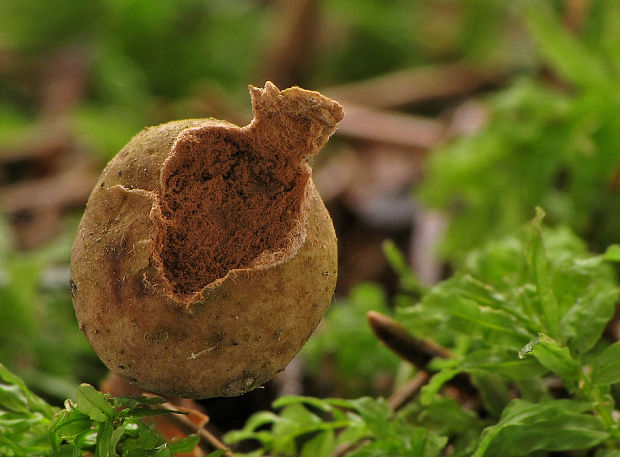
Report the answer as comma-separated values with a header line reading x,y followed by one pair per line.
x,y
461,117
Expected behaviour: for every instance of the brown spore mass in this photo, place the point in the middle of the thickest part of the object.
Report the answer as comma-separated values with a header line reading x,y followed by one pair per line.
x,y
224,201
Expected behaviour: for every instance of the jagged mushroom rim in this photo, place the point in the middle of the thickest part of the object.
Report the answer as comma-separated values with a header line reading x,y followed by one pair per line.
x,y
232,200
265,260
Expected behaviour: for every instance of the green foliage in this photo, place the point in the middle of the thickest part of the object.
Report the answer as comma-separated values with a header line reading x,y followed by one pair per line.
x,y
37,318
525,309
543,146
521,309
551,425
346,346
99,424
24,418
374,40
549,300
382,35
606,366
109,426
409,282
306,426
137,43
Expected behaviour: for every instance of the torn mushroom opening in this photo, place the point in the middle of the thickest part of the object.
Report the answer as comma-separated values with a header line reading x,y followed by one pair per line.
x,y
226,205
234,198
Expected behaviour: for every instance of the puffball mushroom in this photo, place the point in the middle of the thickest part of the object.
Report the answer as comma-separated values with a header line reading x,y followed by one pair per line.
x,y
205,257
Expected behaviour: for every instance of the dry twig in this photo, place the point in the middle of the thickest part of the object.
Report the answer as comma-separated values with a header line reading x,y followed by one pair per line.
x,y
400,398
415,85
65,189
418,352
208,442
575,14
390,127
290,53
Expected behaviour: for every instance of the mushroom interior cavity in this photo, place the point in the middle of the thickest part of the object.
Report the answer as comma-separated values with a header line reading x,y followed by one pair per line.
x,y
226,204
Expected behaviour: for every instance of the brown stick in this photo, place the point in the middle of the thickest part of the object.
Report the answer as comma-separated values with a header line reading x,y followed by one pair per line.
x,y
44,141
345,448
391,127
418,352
65,189
415,85
430,226
614,182
291,50
400,398
576,12
208,442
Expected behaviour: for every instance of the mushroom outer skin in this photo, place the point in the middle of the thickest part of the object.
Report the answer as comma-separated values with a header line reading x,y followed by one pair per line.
x,y
228,338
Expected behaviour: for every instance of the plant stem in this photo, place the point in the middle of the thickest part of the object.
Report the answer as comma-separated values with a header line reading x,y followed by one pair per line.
x,y
208,442
394,335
